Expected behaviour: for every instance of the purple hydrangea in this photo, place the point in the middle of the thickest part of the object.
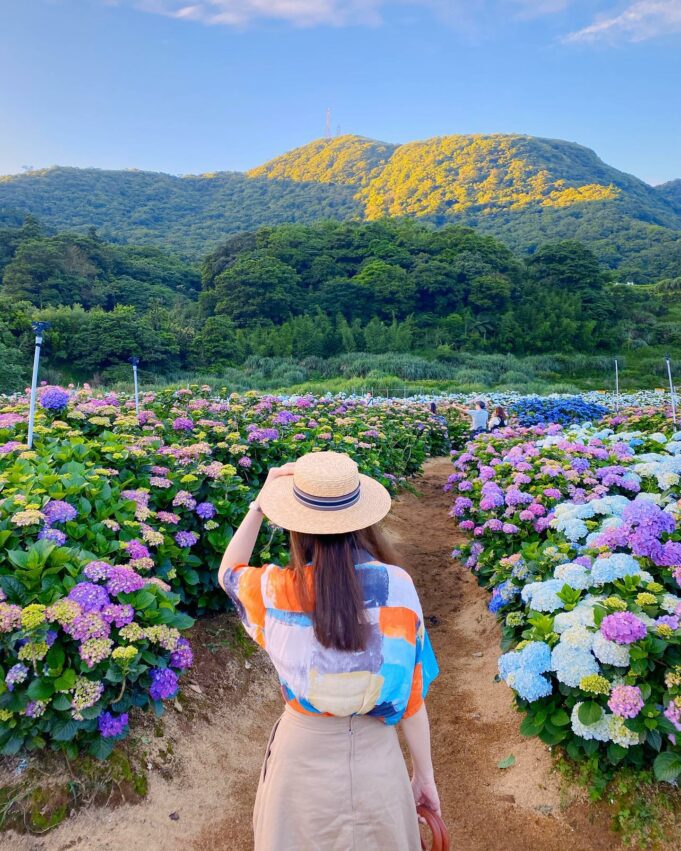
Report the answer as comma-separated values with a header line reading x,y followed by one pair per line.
x,y
623,628
118,614
136,549
123,580
58,511
90,597
54,399
163,684
168,517
16,675
626,701
97,570
182,656
88,625
55,535
111,726
206,510
186,539
183,424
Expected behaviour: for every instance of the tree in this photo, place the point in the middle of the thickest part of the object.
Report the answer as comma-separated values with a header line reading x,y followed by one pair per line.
x,y
256,289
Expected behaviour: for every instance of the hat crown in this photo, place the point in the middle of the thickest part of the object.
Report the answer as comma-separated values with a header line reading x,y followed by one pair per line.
x,y
326,474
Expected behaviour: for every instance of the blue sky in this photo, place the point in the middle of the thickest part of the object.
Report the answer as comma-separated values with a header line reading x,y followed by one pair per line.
x,y
190,86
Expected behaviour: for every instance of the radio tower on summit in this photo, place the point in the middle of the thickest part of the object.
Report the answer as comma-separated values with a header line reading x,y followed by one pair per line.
x,y
327,131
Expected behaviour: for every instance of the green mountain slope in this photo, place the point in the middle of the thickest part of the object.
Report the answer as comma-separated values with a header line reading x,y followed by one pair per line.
x,y
523,189
671,193
189,215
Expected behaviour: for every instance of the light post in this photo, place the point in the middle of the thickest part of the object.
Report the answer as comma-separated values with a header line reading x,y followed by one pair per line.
x,y
617,385
39,329
671,388
135,362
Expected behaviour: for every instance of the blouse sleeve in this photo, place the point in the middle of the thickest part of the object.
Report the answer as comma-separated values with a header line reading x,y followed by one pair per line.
x,y
426,670
244,585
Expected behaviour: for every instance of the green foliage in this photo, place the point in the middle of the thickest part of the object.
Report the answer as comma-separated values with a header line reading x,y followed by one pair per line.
x,y
523,189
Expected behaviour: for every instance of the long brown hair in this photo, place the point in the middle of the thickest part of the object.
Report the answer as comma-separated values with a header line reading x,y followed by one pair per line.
x,y
331,591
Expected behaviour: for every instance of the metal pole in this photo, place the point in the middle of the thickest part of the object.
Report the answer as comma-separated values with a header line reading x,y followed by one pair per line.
x,y
617,386
39,328
134,362
671,388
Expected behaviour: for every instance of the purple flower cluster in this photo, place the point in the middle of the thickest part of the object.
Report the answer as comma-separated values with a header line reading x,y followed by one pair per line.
x,y
183,424
626,701
58,511
54,399
16,675
186,539
55,535
90,597
136,549
623,628
164,684
182,656
111,726
206,510
118,614
123,580
262,435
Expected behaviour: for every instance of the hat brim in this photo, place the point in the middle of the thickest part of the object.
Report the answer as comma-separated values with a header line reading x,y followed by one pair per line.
x,y
281,507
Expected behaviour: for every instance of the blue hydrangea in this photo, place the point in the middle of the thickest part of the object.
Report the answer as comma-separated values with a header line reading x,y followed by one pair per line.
x,y
535,657
502,596
575,575
529,686
571,664
616,566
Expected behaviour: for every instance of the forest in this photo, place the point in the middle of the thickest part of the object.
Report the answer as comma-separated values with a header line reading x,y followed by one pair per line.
x,y
524,190
313,291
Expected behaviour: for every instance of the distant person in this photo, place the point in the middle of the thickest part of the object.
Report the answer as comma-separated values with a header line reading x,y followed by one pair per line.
x,y
499,419
479,416
433,408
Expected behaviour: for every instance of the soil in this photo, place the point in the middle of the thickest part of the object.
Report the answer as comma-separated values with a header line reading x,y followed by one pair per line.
x,y
203,769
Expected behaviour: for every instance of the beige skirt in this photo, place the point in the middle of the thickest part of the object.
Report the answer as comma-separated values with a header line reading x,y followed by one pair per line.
x,y
334,784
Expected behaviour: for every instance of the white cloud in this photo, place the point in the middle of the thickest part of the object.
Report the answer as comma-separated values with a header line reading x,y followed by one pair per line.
x,y
241,12
465,13
642,20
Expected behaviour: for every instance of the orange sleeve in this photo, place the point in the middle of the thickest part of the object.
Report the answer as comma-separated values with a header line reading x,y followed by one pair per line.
x,y
416,695
243,584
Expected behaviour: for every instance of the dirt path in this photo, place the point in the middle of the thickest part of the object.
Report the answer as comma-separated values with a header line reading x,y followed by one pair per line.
x,y
202,786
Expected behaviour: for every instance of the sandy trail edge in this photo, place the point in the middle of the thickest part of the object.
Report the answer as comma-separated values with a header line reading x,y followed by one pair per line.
x,y
219,741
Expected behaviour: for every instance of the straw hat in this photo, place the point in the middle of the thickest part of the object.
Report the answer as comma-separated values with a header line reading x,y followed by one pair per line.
x,y
326,495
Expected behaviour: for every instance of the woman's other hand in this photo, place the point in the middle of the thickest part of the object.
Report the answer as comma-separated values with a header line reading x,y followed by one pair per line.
x,y
425,793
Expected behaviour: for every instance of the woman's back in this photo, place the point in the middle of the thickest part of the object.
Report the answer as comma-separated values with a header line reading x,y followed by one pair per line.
x,y
388,678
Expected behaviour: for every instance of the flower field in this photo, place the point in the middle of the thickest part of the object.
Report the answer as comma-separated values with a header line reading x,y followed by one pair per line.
x,y
576,531
112,529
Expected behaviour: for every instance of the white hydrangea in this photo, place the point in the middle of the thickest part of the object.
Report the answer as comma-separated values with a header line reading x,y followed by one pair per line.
x,y
610,653
599,731
578,636
575,575
669,603
581,615
620,734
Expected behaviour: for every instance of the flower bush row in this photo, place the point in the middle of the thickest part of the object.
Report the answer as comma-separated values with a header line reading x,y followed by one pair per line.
x,y
577,533
112,528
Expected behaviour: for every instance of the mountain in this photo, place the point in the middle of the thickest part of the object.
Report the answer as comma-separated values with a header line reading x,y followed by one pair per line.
x,y
524,189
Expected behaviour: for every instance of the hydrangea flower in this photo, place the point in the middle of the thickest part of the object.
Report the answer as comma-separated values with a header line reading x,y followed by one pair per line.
x,y
112,726
15,676
164,684
122,580
90,597
54,399
55,535
626,701
182,656
543,596
58,511
599,731
610,653
623,628
186,539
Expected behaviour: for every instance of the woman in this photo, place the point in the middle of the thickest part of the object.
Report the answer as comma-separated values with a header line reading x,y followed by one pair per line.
x,y
499,419
344,629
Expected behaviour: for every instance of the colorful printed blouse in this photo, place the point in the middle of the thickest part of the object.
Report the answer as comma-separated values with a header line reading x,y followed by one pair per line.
x,y
388,679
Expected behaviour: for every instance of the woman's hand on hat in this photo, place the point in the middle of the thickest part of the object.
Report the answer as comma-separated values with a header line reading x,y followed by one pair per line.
x,y
278,472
